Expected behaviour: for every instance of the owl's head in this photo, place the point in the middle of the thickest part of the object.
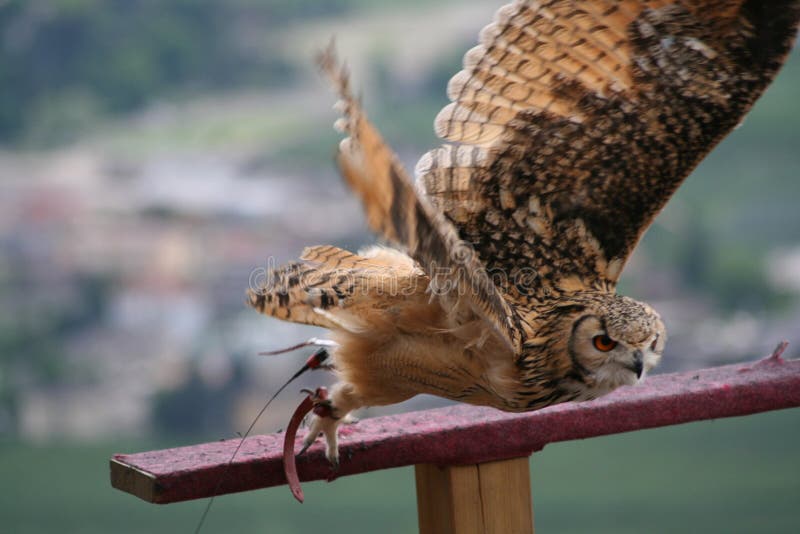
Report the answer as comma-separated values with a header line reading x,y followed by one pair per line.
x,y
616,340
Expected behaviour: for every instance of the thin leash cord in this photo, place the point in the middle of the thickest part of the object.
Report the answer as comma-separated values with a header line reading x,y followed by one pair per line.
x,y
236,451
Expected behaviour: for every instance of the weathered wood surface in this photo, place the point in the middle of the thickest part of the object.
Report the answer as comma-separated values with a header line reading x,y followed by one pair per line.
x,y
462,435
487,498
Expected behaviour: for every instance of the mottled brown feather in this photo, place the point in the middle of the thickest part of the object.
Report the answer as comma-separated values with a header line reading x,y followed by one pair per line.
x,y
581,119
337,289
399,214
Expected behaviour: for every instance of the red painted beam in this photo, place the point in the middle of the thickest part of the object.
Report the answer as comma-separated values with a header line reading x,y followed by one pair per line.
x,y
462,434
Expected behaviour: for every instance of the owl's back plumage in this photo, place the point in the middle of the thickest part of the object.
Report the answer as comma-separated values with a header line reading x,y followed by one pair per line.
x,y
571,125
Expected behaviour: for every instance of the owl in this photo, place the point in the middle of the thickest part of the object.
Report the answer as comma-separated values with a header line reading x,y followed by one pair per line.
x,y
571,125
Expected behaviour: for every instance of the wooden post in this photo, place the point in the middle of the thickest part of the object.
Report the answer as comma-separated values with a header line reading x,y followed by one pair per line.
x,y
485,498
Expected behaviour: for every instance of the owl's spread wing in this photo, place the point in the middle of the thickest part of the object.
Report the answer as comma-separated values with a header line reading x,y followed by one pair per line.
x,y
575,122
397,212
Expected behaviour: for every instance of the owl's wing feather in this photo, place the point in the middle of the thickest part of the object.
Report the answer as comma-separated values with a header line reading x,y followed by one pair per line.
x,y
334,288
575,122
399,214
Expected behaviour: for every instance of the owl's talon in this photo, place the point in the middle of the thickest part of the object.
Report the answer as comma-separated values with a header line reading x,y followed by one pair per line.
x,y
306,445
326,426
330,410
324,408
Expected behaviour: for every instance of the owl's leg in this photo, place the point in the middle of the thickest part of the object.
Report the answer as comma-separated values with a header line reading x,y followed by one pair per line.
x,y
328,415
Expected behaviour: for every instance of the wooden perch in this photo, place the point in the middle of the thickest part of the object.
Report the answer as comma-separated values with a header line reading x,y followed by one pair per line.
x,y
462,435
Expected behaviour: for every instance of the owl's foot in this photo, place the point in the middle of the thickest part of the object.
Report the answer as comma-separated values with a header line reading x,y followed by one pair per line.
x,y
329,412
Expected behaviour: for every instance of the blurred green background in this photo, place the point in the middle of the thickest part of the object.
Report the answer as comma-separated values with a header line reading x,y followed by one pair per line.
x,y
154,154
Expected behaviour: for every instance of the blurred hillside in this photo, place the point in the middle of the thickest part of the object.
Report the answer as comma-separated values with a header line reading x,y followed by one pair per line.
x,y
156,154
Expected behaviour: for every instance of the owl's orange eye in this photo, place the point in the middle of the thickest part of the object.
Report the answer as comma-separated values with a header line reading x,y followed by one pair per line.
x,y
603,343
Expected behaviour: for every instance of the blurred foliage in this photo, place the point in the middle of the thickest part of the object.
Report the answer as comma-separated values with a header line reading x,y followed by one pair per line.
x,y
176,413
63,63
31,354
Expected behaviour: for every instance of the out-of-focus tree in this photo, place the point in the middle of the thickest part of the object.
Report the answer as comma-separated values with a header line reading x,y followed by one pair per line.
x,y
64,63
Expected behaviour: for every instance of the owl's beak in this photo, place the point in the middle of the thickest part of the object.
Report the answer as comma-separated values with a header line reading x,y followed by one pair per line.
x,y
638,363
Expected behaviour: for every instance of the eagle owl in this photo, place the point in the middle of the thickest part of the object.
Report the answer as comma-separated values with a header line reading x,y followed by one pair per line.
x,y
571,125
